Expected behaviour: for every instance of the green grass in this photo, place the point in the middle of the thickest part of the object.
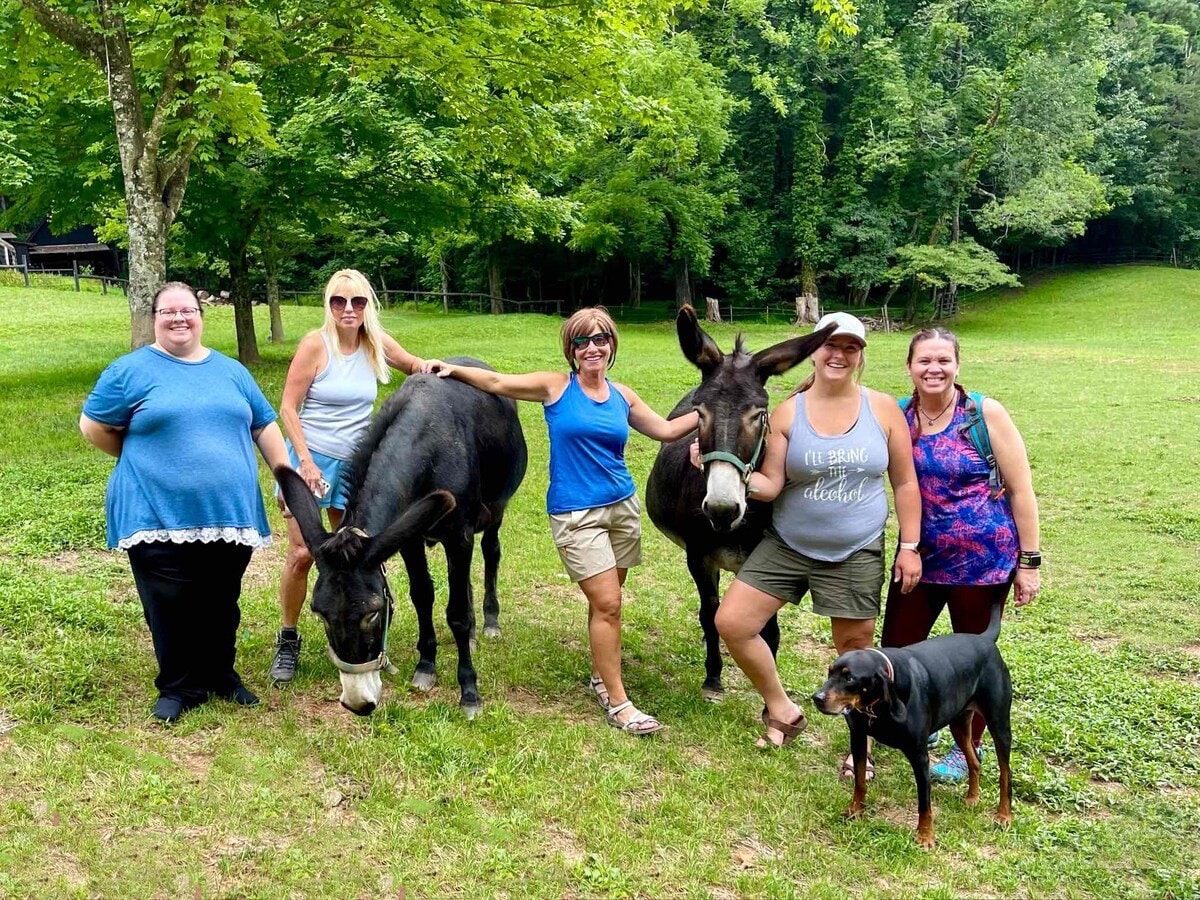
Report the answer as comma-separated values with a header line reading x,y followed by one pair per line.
x,y
1101,370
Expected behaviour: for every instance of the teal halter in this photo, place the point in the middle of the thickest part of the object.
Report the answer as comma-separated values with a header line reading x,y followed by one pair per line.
x,y
746,468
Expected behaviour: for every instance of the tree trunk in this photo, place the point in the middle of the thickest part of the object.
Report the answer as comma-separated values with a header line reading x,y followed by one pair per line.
x,y
712,310
444,269
683,286
808,310
147,261
243,309
495,284
271,265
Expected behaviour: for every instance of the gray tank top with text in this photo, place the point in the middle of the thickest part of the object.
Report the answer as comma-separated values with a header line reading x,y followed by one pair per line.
x,y
833,503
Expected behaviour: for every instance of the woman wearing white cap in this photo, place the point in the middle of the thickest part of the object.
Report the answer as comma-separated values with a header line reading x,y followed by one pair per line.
x,y
832,442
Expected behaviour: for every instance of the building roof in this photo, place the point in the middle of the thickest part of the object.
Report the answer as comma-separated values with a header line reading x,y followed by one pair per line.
x,y
50,249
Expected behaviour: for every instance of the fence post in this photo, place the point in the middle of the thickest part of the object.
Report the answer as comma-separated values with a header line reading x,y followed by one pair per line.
x,y
75,273
25,272
103,285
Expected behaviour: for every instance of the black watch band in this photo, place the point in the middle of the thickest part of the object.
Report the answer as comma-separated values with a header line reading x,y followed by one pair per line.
x,y
1029,559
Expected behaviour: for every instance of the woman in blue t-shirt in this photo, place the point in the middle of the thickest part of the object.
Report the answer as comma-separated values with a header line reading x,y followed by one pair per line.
x,y
183,500
592,501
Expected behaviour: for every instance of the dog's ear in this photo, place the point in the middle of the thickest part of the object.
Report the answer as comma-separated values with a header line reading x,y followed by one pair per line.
x,y
895,706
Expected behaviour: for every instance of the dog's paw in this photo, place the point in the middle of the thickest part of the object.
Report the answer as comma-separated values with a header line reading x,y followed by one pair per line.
x,y
855,811
1004,820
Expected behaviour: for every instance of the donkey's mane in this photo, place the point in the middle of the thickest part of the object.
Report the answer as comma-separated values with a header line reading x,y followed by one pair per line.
x,y
739,348
360,461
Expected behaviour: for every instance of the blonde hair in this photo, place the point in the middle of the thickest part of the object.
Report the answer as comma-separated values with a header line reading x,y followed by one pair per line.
x,y
371,332
588,320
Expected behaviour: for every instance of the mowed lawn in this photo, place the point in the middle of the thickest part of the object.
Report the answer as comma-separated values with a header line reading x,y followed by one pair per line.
x,y
537,797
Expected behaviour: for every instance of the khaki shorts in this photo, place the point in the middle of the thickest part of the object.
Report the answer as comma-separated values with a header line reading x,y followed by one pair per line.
x,y
591,541
849,589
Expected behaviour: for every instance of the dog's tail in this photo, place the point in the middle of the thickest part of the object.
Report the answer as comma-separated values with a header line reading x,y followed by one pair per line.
x,y
993,629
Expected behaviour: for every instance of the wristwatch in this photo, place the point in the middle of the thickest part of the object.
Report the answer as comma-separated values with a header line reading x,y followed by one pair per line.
x,y
910,545
1029,559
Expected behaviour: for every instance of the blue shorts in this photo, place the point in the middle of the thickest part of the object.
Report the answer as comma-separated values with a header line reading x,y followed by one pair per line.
x,y
332,470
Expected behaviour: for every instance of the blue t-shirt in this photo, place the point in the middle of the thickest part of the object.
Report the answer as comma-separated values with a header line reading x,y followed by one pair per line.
x,y
188,458
587,450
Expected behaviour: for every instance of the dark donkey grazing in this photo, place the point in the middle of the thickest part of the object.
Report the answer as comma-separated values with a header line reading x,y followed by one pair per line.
x,y
439,464
708,513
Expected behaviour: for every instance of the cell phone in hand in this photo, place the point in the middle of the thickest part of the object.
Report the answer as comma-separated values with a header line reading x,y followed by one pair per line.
x,y
321,489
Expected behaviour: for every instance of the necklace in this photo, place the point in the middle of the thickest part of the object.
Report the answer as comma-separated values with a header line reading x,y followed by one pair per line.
x,y
931,419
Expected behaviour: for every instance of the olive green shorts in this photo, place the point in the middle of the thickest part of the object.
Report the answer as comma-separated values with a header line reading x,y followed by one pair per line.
x,y
849,589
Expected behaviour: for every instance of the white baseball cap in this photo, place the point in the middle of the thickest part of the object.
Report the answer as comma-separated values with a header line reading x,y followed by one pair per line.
x,y
846,324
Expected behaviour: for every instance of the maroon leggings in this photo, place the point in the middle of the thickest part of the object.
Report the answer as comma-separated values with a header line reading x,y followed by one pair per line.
x,y
909,617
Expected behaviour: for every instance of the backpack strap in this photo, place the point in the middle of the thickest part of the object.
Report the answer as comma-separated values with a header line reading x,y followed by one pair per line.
x,y
905,403
975,429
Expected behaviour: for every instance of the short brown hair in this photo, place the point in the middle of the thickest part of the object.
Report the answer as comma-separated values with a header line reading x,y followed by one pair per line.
x,y
171,286
588,320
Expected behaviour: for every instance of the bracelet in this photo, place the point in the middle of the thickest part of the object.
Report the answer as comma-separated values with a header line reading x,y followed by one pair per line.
x,y
909,545
1029,559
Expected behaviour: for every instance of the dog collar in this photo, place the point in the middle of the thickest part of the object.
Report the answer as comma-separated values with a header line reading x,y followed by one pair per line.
x,y
891,673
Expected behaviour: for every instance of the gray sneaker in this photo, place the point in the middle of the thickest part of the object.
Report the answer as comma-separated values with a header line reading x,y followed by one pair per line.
x,y
287,654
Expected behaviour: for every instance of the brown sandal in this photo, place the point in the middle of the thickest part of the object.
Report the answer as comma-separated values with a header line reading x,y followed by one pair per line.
x,y
847,773
788,730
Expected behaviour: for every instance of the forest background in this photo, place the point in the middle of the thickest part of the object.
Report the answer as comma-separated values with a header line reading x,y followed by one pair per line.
x,y
569,151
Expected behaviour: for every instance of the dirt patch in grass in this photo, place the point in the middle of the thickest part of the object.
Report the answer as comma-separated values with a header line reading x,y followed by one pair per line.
x,y
7,721
1192,649
559,842
750,853
1101,643
63,867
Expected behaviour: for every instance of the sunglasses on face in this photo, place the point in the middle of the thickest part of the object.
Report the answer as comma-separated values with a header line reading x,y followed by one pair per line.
x,y
600,340
339,303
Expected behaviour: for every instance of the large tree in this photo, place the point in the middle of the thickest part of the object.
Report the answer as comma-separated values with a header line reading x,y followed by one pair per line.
x,y
172,81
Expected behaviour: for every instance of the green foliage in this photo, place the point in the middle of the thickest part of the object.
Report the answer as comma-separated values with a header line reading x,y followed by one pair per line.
x,y
966,264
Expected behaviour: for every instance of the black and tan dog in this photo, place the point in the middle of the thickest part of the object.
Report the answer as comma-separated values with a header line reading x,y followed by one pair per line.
x,y
900,696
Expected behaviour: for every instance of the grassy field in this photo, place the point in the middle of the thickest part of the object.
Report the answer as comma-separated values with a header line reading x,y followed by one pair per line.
x,y
1101,370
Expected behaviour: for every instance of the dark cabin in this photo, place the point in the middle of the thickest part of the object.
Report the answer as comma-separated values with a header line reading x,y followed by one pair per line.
x,y
45,250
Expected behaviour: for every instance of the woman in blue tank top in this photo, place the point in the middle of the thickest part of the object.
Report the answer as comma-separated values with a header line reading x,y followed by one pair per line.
x,y
327,403
976,543
832,443
592,501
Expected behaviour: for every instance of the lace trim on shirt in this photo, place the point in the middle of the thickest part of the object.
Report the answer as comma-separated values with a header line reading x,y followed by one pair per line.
x,y
247,537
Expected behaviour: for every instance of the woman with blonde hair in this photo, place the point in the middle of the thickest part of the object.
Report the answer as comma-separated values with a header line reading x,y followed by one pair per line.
x,y
328,399
595,517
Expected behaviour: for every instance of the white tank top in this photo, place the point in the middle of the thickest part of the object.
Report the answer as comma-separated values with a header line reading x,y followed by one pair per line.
x,y
337,408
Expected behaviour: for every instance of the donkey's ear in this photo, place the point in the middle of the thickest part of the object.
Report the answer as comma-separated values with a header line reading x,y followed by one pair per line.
x,y
415,522
302,506
783,356
701,350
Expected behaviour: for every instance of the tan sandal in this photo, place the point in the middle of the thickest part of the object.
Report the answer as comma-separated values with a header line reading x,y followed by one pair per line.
x,y
597,687
638,724
847,773
789,730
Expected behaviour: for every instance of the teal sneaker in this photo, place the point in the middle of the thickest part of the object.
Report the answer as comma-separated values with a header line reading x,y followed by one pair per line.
x,y
952,768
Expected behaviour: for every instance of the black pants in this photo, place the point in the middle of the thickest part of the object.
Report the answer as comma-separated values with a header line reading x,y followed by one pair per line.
x,y
909,617
189,594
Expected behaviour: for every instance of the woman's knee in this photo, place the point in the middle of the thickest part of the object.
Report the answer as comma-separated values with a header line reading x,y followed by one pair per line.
x,y
299,559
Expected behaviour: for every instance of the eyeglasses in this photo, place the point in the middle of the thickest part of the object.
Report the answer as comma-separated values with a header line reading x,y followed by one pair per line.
x,y
339,303
600,340
188,312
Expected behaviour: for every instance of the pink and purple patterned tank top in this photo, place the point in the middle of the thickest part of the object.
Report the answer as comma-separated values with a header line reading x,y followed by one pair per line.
x,y
966,536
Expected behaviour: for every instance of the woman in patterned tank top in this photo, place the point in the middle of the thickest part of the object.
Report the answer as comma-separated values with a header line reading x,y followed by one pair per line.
x,y
974,545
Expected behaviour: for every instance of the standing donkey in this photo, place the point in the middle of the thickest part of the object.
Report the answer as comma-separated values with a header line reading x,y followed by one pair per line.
x,y
439,464
708,513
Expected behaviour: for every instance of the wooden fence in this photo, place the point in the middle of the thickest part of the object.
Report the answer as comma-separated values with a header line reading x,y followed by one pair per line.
x,y
28,275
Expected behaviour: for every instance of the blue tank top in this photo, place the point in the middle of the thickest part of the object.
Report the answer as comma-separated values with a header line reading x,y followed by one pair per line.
x,y
833,503
587,450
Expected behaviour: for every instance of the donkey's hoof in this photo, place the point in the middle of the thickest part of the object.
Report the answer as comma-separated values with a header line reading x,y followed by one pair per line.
x,y
491,631
471,709
424,681
713,695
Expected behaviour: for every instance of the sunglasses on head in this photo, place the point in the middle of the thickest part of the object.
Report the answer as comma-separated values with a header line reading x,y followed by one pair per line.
x,y
600,339
339,303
